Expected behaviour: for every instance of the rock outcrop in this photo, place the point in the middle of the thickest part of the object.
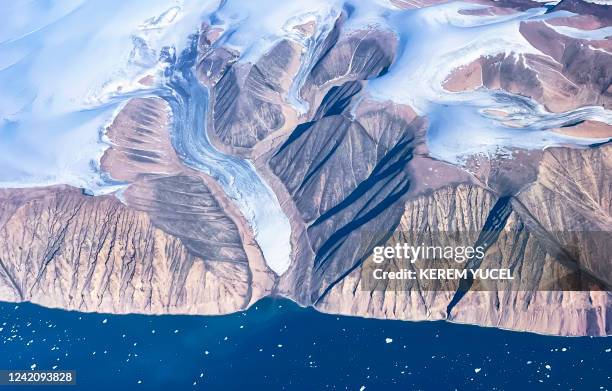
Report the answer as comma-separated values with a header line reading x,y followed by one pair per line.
x,y
248,100
570,72
350,179
176,245
542,245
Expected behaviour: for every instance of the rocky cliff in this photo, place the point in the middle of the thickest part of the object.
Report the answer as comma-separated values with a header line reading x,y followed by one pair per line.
x,y
175,245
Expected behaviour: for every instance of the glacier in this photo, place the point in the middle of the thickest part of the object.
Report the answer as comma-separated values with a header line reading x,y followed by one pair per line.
x,y
433,41
66,68
238,177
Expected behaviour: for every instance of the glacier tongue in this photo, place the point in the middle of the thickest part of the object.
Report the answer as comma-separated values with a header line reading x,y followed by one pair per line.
x,y
237,176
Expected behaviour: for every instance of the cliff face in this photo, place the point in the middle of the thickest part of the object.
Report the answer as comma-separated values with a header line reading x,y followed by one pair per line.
x,y
346,187
353,175
176,245
63,249
543,245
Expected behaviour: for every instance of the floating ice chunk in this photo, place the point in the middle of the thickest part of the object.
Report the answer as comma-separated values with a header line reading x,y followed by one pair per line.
x,y
388,340
476,370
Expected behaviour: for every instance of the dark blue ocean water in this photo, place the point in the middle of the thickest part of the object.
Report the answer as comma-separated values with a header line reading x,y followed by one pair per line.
x,y
278,345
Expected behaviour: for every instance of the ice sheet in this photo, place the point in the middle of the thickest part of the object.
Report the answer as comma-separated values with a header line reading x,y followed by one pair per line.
x,y
65,68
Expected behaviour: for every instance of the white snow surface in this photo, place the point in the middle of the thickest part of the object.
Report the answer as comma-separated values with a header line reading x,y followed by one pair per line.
x,y
433,41
64,67
588,35
600,2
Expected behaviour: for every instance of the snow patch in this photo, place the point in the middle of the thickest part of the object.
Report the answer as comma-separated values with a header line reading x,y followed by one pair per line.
x,y
588,35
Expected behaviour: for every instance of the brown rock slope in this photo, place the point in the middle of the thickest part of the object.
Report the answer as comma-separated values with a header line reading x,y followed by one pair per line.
x,y
177,245
247,101
543,246
569,73
351,173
